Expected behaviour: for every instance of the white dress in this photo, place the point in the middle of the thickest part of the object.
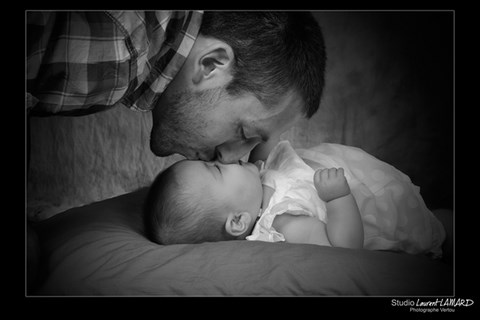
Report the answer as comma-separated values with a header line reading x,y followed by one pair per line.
x,y
393,212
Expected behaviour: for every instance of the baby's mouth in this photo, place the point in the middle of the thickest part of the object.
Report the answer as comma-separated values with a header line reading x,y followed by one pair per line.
x,y
249,166
260,165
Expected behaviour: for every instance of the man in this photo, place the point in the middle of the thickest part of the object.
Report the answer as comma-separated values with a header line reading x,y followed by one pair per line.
x,y
219,84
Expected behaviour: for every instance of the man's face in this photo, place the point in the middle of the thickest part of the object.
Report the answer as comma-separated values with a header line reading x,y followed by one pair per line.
x,y
211,125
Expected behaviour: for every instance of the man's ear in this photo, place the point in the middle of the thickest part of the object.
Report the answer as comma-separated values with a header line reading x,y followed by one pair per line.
x,y
214,61
238,223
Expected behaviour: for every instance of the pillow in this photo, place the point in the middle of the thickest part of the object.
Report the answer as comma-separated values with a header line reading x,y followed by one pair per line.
x,y
100,249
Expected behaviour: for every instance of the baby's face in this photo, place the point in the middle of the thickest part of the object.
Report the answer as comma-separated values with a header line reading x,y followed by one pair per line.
x,y
238,185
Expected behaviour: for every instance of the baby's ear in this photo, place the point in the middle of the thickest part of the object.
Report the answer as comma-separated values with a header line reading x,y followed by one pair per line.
x,y
238,223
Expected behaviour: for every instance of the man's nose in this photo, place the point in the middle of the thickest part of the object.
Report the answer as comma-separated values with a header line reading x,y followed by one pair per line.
x,y
233,152
226,156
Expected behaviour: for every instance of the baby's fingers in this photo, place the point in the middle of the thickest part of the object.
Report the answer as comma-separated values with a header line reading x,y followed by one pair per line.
x,y
317,176
330,173
320,174
340,172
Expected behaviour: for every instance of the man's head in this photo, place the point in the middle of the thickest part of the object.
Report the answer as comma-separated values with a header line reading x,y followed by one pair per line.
x,y
197,201
249,77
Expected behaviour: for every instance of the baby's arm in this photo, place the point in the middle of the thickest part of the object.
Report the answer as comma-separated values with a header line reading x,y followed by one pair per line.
x,y
301,229
344,225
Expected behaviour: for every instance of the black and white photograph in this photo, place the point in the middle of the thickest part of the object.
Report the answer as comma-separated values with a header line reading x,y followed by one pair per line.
x,y
260,153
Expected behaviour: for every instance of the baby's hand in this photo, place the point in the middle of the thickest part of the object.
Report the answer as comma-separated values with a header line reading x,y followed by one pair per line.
x,y
330,184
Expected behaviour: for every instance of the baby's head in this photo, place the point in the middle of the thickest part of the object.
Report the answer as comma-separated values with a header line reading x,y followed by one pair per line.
x,y
197,201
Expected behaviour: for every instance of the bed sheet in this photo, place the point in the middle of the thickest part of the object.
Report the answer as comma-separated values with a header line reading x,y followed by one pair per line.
x,y
100,249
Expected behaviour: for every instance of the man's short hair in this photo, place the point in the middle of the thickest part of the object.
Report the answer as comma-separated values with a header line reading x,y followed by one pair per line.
x,y
274,52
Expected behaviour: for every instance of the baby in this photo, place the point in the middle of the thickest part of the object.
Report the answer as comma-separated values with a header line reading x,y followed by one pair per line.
x,y
196,201
288,200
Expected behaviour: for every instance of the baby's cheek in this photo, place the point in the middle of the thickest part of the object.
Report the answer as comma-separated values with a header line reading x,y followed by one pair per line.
x,y
240,192
250,196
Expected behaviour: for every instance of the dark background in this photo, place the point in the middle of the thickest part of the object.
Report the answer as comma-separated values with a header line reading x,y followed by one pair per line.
x,y
390,85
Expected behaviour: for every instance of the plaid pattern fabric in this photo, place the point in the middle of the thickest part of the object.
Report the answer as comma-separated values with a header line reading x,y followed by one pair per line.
x,y
84,62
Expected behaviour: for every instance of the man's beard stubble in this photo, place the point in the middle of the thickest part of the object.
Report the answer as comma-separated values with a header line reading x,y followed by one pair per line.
x,y
179,123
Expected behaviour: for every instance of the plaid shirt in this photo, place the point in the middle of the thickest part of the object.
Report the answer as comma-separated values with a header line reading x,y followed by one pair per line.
x,y
84,62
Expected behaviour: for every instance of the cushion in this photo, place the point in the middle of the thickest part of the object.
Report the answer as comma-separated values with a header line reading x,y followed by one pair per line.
x,y
100,249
